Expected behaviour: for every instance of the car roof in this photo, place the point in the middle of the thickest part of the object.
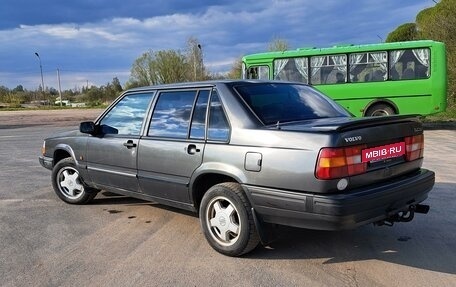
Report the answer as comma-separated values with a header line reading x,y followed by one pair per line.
x,y
211,83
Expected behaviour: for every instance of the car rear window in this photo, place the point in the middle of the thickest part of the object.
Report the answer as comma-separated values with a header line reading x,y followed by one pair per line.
x,y
282,102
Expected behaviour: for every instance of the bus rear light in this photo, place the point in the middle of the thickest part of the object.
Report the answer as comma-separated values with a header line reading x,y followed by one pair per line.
x,y
340,162
414,147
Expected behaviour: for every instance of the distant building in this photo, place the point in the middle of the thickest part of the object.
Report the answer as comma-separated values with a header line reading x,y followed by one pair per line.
x,y
64,103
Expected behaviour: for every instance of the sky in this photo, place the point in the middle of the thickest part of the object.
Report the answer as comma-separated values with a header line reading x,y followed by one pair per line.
x,y
92,41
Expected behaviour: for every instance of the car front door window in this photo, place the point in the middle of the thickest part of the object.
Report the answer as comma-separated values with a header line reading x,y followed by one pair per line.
x,y
127,116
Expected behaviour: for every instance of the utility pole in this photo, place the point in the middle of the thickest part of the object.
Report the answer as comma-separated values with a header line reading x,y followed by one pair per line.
x,y
60,88
194,64
201,62
42,81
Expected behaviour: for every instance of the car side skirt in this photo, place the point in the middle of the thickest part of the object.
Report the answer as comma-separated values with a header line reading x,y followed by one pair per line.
x,y
177,204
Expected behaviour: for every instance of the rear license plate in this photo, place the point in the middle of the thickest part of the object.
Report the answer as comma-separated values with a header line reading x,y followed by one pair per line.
x,y
383,152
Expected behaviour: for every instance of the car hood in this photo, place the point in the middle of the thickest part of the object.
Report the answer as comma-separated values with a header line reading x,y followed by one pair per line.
x,y
65,134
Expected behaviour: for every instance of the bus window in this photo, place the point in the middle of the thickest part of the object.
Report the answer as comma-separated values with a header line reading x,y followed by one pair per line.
x,y
409,64
386,72
328,69
293,69
258,72
368,67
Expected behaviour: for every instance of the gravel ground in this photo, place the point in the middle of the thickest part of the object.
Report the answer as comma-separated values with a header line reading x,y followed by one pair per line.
x,y
120,241
47,117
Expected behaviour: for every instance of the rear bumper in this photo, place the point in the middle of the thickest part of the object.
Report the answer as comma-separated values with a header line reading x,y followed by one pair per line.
x,y
341,211
46,162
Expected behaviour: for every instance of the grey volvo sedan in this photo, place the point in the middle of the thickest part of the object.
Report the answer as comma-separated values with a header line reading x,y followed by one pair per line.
x,y
245,155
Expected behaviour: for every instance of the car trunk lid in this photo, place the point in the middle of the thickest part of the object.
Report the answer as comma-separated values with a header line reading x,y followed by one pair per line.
x,y
362,146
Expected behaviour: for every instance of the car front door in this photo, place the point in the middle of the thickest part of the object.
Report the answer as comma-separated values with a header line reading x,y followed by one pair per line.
x,y
174,145
111,154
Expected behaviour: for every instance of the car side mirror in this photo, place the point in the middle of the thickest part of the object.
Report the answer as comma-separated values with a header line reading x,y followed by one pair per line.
x,y
87,128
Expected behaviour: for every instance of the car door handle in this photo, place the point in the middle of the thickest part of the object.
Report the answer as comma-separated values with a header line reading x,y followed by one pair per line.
x,y
129,144
191,149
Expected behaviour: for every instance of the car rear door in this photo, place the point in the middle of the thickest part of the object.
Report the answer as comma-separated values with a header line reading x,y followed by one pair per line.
x,y
174,143
111,154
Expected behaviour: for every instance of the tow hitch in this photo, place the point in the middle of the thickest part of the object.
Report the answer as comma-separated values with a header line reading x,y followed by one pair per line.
x,y
404,216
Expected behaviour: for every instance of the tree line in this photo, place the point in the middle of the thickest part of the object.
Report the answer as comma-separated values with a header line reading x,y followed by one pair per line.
x,y
92,96
435,23
170,66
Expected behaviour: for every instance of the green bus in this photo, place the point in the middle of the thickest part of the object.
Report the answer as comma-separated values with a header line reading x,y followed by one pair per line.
x,y
368,80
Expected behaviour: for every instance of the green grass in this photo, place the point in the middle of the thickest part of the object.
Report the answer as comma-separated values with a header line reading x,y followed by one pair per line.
x,y
447,116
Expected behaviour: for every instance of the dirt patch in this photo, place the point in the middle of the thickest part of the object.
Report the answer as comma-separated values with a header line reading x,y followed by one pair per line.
x,y
47,117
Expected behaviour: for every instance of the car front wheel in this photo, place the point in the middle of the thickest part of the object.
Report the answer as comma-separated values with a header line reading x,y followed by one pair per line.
x,y
227,221
68,184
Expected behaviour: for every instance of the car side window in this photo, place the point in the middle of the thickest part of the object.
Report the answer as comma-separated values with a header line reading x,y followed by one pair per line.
x,y
127,116
198,125
171,116
219,129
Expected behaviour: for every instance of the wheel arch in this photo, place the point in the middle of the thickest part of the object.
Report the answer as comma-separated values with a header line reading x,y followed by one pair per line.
x,y
379,102
202,181
63,151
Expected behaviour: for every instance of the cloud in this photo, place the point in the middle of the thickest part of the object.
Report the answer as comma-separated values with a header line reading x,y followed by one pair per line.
x,y
99,40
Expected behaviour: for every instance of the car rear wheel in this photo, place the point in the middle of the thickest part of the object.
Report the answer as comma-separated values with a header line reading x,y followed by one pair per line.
x,y
68,184
227,220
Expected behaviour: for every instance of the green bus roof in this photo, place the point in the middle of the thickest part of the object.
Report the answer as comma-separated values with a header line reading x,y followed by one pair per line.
x,y
340,49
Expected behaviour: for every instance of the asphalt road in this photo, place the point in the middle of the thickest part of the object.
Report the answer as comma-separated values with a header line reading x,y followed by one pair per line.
x,y
119,241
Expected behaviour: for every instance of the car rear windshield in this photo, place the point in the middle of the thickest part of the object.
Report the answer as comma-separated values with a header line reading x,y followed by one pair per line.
x,y
282,102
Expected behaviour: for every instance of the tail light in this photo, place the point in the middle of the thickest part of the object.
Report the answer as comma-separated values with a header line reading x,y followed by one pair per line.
x,y
340,162
336,163
414,147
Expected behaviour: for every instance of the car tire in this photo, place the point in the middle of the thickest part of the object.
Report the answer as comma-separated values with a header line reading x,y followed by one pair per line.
x,y
68,185
227,220
378,110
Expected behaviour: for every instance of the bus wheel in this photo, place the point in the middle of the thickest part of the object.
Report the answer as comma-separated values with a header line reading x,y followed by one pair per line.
x,y
379,110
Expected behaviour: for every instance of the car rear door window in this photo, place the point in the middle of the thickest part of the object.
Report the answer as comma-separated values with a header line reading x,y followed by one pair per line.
x,y
171,116
219,129
198,125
